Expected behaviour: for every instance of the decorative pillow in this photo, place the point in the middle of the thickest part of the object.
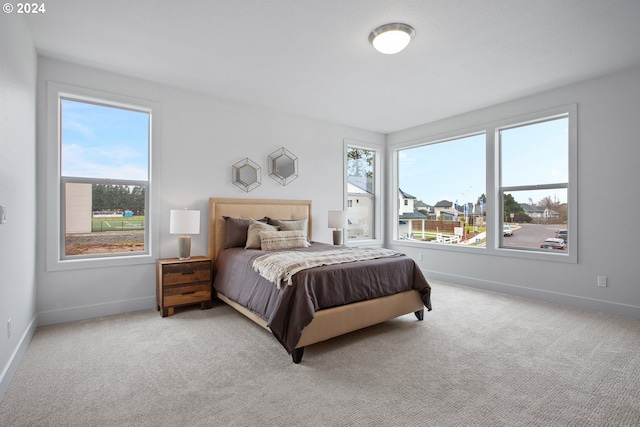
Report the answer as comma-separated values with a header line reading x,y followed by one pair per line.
x,y
270,240
235,234
253,233
291,224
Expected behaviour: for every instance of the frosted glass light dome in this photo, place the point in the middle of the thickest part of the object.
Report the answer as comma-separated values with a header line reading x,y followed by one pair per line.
x,y
391,38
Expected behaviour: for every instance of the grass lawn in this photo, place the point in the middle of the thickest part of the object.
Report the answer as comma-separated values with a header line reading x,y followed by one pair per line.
x,y
117,224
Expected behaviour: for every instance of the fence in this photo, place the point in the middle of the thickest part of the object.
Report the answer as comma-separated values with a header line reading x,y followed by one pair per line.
x,y
436,225
100,225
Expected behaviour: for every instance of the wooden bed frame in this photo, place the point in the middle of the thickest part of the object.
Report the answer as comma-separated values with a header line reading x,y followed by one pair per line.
x,y
327,323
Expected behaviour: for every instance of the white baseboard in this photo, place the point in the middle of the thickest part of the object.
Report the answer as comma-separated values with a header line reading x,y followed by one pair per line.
x,y
607,307
16,357
73,314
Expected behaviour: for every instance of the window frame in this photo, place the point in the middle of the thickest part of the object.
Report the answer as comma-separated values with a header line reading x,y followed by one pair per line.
x,y
378,168
493,206
55,241
437,139
528,187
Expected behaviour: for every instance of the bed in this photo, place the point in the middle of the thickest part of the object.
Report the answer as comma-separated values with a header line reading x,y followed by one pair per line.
x,y
317,303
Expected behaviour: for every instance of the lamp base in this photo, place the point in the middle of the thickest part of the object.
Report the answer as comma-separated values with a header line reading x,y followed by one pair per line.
x,y
337,237
184,247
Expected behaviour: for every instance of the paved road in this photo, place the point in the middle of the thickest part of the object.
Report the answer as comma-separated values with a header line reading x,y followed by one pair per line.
x,y
531,235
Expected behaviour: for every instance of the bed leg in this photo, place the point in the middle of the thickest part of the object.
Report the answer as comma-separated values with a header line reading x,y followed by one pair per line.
x,y
296,354
419,314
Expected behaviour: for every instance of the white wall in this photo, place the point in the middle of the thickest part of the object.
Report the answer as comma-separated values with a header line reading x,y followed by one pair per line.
x,y
201,138
17,192
608,204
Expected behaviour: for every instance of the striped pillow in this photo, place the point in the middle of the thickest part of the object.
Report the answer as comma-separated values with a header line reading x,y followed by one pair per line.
x,y
291,224
271,240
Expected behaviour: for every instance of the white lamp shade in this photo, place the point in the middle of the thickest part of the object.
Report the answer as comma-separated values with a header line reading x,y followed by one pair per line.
x,y
184,221
337,219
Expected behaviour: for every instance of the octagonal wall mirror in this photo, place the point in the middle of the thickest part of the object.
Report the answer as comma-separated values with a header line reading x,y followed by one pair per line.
x,y
283,166
246,175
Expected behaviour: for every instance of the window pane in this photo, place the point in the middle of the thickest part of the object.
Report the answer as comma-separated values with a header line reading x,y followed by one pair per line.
x,y
360,193
534,176
102,144
442,192
99,141
103,219
535,154
531,217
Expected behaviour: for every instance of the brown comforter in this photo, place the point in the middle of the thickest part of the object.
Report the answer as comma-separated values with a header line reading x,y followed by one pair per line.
x,y
289,309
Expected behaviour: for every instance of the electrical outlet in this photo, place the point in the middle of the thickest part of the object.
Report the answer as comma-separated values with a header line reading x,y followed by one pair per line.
x,y
602,281
419,256
8,328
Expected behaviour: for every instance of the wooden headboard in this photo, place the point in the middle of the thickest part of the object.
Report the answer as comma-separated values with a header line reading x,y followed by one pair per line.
x,y
251,208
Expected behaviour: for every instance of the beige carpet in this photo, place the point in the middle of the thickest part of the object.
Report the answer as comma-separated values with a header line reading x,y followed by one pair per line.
x,y
479,358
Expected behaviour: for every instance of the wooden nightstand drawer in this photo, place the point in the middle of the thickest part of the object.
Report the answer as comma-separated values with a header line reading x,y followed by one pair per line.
x,y
183,282
187,294
186,273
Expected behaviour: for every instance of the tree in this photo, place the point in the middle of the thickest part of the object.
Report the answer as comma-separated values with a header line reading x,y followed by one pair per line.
x,y
510,206
360,162
561,208
136,204
118,198
98,201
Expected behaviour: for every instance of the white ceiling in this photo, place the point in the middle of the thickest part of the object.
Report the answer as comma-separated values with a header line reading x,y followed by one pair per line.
x,y
313,58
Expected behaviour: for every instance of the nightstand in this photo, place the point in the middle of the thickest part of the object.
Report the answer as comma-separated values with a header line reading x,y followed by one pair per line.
x,y
182,282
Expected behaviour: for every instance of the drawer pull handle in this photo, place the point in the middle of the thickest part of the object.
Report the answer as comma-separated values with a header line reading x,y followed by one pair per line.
x,y
189,293
186,273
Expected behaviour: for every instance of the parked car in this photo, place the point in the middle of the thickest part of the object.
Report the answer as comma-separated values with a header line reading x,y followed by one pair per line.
x,y
553,243
507,230
562,234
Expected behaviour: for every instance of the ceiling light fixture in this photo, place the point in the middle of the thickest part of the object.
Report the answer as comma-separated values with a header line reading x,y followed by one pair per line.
x,y
391,38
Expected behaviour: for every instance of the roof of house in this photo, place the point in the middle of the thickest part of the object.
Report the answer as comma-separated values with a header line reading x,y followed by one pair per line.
x,y
531,208
421,204
443,204
406,195
362,183
413,215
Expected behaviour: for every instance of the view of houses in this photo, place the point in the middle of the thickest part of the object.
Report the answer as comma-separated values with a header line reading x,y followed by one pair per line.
x,y
448,222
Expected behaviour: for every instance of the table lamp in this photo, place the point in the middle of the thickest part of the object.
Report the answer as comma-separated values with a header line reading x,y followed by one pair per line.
x,y
184,222
337,220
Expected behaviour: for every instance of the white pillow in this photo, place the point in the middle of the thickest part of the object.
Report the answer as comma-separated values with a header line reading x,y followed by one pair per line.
x,y
271,240
291,224
253,233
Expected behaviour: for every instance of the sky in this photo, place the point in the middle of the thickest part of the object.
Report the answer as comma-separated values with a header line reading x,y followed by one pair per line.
x,y
455,170
104,142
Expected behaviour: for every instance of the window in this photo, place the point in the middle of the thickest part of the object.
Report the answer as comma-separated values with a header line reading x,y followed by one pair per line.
x,y
507,190
104,166
534,176
363,186
99,182
441,192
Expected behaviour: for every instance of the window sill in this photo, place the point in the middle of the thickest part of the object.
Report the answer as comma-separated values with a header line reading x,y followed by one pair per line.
x,y
364,242
104,262
564,257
